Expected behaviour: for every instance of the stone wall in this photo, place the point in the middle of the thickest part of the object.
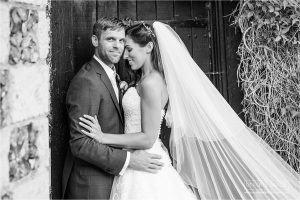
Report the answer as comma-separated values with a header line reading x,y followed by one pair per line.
x,y
24,100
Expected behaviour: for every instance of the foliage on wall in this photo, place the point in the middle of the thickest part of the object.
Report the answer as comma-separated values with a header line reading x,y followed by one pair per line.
x,y
23,39
23,155
269,72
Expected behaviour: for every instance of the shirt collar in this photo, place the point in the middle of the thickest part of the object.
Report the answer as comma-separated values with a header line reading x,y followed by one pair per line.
x,y
109,71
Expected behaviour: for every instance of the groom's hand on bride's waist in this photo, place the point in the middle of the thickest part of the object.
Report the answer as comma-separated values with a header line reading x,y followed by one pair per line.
x,y
144,161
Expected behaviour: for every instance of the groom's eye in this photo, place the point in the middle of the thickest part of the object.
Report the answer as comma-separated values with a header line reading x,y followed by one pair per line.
x,y
110,39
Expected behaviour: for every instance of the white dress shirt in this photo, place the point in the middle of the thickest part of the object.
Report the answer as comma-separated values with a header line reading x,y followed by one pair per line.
x,y
111,73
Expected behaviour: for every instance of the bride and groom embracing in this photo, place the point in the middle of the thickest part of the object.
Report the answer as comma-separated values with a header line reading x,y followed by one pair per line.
x,y
213,151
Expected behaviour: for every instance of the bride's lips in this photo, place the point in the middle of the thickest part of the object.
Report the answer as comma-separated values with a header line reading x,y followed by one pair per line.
x,y
130,62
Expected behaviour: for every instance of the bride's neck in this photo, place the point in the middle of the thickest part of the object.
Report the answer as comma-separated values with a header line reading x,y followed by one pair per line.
x,y
147,68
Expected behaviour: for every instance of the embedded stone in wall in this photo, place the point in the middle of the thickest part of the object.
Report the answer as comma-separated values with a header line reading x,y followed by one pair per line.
x,y
23,39
23,154
36,185
3,94
6,194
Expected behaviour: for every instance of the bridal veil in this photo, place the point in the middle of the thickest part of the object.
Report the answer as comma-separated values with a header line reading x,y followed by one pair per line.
x,y
212,149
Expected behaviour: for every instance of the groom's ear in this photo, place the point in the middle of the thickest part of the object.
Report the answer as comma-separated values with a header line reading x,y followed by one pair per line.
x,y
149,47
95,41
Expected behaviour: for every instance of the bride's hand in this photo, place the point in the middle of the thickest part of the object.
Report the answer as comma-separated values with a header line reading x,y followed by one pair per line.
x,y
92,125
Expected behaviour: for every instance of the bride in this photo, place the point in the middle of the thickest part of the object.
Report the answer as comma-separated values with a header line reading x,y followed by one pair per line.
x,y
213,151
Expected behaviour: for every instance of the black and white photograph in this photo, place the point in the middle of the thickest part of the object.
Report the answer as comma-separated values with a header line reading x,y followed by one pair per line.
x,y
150,99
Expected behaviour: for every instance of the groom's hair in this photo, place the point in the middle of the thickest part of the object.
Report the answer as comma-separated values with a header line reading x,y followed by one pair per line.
x,y
105,23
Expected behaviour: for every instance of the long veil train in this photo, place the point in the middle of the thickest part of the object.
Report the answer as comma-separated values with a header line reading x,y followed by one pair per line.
x,y
213,150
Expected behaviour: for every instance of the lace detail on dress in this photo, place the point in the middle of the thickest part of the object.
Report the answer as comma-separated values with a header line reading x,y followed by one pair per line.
x,y
132,111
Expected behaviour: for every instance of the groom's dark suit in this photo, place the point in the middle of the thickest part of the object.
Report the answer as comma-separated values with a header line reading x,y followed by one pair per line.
x,y
90,167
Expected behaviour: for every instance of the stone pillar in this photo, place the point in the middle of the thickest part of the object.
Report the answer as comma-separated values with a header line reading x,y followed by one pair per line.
x,y
24,100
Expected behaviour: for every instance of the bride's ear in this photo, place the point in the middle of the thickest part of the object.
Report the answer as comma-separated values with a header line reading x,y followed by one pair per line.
x,y
149,47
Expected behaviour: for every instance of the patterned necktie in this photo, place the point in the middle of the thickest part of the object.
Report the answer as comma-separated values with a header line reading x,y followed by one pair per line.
x,y
115,82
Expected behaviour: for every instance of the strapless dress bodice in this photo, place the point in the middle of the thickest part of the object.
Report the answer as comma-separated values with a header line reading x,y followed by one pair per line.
x,y
131,103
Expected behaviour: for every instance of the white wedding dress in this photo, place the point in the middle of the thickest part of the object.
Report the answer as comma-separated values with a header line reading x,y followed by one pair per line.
x,y
138,185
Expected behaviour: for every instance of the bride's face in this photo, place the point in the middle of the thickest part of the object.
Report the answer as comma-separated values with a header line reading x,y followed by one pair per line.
x,y
135,54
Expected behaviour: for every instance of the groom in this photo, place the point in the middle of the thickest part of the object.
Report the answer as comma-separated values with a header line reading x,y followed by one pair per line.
x,y
90,167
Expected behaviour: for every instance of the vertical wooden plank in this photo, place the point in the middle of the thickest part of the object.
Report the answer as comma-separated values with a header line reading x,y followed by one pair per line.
x,y
127,9
211,39
108,8
146,10
201,53
199,9
185,34
84,18
232,38
182,10
221,66
61,22
165,10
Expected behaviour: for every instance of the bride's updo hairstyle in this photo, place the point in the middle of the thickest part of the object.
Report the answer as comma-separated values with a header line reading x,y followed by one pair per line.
x,y
142,34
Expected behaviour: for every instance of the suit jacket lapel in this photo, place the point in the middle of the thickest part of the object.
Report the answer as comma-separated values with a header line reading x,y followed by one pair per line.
x,y
99,70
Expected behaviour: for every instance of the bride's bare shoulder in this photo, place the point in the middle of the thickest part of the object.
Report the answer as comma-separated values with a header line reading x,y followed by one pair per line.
x,y
153,80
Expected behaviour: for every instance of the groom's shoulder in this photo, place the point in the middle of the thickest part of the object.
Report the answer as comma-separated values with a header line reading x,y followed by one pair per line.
x,y
87,70
85,74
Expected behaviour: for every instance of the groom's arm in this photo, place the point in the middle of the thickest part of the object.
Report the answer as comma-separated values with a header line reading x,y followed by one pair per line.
x,y
83,98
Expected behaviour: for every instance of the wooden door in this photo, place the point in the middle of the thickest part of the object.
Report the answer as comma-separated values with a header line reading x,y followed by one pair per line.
x,y
200,24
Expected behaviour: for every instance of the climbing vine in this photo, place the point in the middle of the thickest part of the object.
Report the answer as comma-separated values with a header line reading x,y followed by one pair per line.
x,y
269,72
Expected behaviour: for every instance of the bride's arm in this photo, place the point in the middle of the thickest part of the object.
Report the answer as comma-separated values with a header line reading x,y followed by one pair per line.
x,y
151,118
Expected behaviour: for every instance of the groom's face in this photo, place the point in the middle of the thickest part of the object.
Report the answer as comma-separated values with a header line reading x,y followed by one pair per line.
x,y
111,45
